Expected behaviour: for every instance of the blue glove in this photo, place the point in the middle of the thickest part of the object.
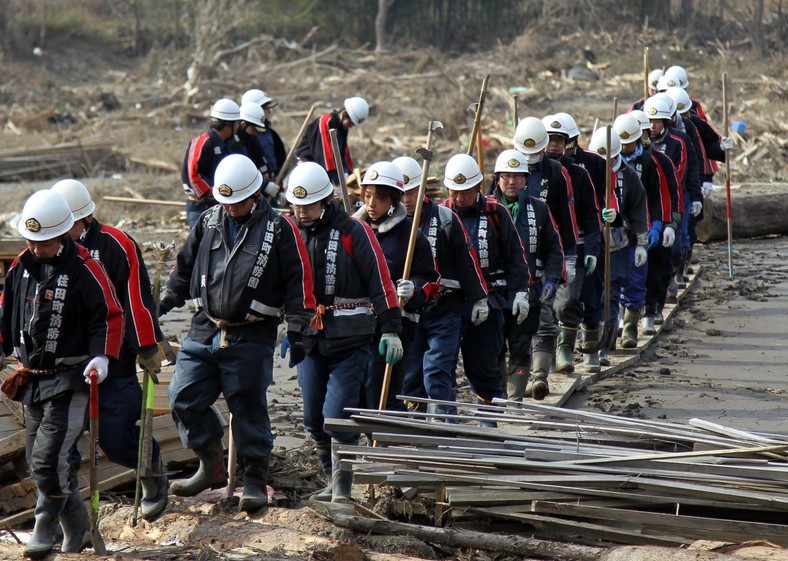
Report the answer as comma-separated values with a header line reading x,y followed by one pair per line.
x,y
548,291
654,235
293,342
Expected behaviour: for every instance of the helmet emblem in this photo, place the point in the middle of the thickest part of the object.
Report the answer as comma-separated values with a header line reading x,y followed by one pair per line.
x,y
679,106
32,225
372,174
601,150
672,83
652,111
529,143
513,163
225,190
459,179
299,192
555,125
361,121
624,135
407,179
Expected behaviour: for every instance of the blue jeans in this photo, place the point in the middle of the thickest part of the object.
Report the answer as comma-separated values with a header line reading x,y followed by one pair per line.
x,y
194,209
241,372
594,290
682,243
429,366
633,288
329,384
481,345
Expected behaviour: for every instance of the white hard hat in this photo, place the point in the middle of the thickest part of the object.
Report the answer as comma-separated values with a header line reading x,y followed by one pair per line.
x,y
657,107
384,173
628,128
530,136
252,113
642,118
411,171
226,110
568,122
681,98
254,96
77,197
653,78
462,173
236,178
679,73
668,81
669,100
598,142
357,109
554,126
307,184
511,161
45,216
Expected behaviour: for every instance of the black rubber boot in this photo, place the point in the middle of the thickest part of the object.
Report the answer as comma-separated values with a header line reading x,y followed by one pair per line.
x,y
255,494
517,383
590,347
540,364
212,473
47,515
324,454
154,491
75,522
341,479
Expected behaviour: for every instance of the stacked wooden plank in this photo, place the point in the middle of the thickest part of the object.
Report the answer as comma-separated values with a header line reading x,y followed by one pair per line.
x,y
75,159
580,476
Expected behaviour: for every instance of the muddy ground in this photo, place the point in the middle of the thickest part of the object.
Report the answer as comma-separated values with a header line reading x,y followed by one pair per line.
x,y
721,357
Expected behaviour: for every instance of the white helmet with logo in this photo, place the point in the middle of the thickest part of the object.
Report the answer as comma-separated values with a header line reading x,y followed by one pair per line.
x,y
45,216
411,171
253,96
598,142
252,113
554,126
653,78
307,184
236,178
226,110
511,161
681,98
628,128
357,109
384,173
658,107
462,173
568,123
642,118
530,136
678,73
77,197
667,81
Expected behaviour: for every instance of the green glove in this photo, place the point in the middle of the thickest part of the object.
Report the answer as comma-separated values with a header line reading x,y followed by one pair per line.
x,y
391,347
609,215
589,262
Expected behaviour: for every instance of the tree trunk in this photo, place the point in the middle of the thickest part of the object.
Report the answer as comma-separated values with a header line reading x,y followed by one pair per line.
x,y
381,38
757,28
686,12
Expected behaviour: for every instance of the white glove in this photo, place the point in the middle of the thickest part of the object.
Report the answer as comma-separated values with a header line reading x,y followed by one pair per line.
x,y
479,312
100,364
571,268
405,289
668,237
726,143
640,256
707,189
521,306
272,189
696,209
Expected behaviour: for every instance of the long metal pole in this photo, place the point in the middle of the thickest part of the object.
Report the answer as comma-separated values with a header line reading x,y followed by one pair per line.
x,y
728,217
608,199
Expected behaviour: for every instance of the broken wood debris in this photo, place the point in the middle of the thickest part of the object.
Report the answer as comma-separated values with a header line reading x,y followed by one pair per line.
x,y
75,159
583,476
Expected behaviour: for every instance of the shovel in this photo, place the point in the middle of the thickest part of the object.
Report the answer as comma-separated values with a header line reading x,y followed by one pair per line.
x,y
95,535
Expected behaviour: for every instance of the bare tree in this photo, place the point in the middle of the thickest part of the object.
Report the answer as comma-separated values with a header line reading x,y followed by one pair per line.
x,y
757,28
381,38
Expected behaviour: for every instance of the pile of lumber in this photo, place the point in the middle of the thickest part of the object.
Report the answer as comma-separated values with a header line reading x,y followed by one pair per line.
x,y
74,159
579,476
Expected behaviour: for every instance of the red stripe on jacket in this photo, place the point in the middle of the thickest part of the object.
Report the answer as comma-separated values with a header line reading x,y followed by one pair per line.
x,y
199,185
664,192
114,322
307,285
383,270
